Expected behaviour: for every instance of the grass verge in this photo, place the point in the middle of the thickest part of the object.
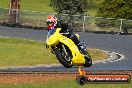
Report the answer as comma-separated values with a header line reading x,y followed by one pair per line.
x,y
40,80
33,5
65,84
43,5
17,52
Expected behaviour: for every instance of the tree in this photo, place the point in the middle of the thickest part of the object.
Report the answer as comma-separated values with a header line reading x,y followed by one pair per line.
x,y
121,9
115,9
71,7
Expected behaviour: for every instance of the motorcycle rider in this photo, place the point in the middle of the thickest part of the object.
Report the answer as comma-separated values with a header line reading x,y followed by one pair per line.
x,y
53,23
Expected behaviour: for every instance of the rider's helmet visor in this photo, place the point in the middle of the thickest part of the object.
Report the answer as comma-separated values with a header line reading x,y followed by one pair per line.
x,y
50,23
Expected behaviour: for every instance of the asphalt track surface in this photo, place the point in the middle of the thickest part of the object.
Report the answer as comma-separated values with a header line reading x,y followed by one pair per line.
x,y
109,42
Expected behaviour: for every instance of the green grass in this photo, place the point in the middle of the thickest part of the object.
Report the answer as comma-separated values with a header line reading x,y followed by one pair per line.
x,y
33,5
97,54
24,52
64,84
16,52
43,5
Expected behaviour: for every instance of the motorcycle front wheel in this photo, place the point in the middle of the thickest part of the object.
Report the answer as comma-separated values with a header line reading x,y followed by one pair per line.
x,y
64,59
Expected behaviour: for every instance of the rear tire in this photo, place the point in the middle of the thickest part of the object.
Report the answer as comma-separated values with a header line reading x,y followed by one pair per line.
x,y
88,60
61,59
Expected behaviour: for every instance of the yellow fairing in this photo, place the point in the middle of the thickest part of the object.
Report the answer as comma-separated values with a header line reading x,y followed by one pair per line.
x,y
54,39
78,58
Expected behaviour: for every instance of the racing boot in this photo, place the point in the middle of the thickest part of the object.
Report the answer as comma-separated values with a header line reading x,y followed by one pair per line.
x,y
82,48
80,45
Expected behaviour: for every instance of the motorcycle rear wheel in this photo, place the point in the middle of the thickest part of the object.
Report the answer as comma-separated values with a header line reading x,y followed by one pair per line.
x,y
88,60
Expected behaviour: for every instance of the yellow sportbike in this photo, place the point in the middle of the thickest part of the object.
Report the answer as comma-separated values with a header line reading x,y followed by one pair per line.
x,y
66,51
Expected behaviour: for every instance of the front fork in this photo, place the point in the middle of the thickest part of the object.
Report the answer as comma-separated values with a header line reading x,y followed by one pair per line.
x,y
64,50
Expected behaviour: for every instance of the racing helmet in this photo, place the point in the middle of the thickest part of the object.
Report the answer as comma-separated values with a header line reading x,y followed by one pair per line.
x,y
51,20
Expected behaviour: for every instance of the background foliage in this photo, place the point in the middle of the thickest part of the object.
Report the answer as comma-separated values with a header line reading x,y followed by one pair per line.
x,y
69,6
115,9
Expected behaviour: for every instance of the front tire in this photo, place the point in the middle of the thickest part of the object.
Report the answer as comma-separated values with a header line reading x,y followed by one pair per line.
x,y
61,59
